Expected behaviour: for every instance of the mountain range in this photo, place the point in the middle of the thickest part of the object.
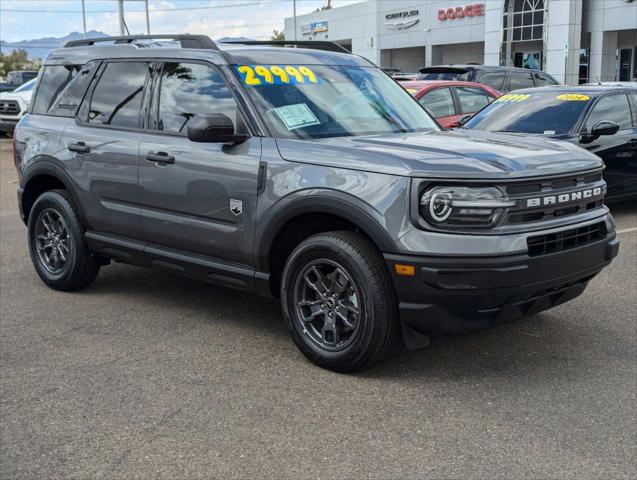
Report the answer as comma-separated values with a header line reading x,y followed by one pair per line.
x,y
40,47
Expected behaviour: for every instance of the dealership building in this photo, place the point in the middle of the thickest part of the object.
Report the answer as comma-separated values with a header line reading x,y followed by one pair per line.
x,y
573,40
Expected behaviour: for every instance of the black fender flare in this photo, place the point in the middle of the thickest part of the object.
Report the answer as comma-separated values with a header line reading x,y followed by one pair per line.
x,y
46,166
333,202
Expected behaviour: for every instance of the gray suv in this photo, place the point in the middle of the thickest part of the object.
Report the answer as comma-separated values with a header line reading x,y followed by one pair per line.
x,y
305,174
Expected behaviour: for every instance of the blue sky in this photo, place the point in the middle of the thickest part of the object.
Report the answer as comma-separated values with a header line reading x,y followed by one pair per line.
x,y
30,19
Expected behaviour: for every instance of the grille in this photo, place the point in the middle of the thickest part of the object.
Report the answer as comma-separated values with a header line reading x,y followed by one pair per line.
x,y
565,240
521,192
9,107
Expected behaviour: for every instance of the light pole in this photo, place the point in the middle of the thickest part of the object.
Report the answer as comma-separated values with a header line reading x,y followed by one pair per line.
x,y
84,18
294,16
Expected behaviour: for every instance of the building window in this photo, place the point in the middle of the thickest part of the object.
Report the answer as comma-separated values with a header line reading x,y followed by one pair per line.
x,y
523,20
583,65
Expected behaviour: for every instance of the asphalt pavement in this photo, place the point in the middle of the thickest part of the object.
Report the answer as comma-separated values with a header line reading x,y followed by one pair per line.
x,y
147,375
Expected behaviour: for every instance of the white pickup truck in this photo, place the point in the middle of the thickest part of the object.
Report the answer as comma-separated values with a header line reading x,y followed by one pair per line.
x,y
14,105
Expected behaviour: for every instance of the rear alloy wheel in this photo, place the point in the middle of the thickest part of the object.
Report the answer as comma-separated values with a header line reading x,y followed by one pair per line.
x,y
57,245
339,302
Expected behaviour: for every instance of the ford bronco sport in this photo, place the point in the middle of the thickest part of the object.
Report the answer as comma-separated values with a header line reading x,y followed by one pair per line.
x,y
305,174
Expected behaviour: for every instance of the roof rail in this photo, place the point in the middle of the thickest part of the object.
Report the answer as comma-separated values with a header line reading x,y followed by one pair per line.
x,y
316,45
187,41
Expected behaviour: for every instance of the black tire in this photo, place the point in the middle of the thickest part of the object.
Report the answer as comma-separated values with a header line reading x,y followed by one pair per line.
x,y
342,345
80,267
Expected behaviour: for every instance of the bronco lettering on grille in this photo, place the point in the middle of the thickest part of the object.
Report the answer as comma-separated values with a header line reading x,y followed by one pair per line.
x,y
564,197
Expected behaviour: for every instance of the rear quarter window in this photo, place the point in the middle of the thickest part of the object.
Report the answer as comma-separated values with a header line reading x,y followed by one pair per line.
x,y
55,79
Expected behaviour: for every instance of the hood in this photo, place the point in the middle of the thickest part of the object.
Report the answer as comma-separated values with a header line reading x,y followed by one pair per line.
x,y
446,154
26,96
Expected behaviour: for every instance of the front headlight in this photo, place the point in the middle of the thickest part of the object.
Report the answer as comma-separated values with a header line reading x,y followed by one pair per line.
x,y
463,207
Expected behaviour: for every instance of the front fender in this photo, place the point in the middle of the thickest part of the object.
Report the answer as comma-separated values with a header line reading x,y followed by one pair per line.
x,y
308,201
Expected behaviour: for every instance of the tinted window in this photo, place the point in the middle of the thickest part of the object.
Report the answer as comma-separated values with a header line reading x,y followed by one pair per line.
x,y
54,80
464,76
438,102
520,80
545,113
492,79
189,89
542,80
613,108
69,99
634,97
472,99
117,98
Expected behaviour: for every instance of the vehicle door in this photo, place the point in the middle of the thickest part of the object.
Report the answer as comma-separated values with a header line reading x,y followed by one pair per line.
x,y
619,151
470,100
200,198
439,103
104,141
519,80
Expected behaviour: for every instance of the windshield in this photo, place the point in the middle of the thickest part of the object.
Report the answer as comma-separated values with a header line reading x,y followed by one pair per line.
x,y
26,87
548,113
330,101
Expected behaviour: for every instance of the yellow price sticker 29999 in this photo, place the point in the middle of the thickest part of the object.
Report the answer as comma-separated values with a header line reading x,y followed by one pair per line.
x,y
513,97
255,75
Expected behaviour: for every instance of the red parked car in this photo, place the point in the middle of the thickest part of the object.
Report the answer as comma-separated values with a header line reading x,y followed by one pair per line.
x,y
448,101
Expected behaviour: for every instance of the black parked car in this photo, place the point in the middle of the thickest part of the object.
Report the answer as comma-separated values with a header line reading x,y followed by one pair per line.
x,y
503,79
601,119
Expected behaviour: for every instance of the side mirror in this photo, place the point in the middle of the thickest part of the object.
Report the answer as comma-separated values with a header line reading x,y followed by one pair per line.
x,y
600,128
604,128
214,128
464,119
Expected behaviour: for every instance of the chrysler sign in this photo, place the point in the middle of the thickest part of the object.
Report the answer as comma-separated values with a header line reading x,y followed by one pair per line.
x,y
476,10
401,20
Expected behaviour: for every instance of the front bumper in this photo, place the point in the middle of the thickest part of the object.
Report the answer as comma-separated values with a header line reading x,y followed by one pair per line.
x,y
454,295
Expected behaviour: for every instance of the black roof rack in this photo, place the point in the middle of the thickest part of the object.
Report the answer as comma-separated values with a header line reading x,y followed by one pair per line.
x,y
316,45
187,41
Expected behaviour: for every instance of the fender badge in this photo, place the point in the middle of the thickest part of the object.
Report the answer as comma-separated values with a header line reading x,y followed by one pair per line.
x,y
236,207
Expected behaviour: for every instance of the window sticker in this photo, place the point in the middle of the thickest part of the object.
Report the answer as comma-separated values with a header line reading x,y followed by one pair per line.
x,y
296,116
513,97
573,97
549,132
256,75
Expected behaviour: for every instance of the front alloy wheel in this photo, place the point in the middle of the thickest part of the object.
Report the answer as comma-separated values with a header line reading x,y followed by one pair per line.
x,y
327,304
338,301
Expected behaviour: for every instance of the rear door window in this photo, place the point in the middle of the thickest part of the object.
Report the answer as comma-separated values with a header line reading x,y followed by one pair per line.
x,y
612,108
117,98
542,80
520,80
55,78
472,99
438,102
492,79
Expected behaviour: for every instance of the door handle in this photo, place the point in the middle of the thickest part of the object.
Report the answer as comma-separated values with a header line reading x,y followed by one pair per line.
x,y
161,158
79,147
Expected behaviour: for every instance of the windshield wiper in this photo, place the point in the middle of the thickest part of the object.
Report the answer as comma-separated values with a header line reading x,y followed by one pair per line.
x,y
383,113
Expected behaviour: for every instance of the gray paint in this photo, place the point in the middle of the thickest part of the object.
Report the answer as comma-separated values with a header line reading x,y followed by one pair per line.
x,y
181,211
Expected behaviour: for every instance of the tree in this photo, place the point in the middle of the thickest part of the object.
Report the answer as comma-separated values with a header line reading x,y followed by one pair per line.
x,y
276,35
16,60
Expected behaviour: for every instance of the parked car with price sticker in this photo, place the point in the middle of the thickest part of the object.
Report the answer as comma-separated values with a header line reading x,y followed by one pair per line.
x,y
600,119
304,173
